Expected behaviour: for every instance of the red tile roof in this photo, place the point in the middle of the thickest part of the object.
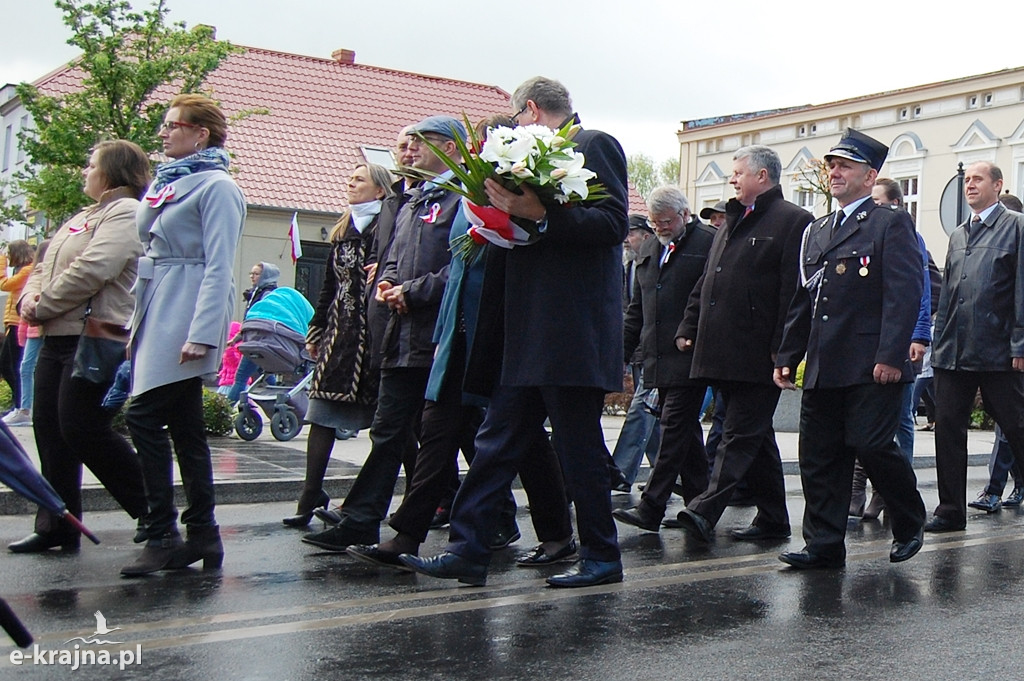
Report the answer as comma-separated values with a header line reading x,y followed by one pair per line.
x,y
299,156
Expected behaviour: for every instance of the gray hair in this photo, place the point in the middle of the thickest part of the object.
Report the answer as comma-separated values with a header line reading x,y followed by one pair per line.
x,y
760,157
549,95
667,199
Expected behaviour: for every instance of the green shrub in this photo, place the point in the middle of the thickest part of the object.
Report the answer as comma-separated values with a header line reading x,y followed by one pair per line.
x,y
6,399
217,415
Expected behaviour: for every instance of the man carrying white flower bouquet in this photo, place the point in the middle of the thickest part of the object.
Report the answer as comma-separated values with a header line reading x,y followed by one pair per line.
x,y
562,307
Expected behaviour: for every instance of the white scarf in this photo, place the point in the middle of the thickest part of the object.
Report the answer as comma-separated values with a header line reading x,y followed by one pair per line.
x,y
363,213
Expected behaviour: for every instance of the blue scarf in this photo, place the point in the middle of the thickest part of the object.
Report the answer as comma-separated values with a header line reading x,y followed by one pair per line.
x,y
211,158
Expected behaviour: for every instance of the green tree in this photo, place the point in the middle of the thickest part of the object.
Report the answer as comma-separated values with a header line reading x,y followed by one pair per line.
x,y
126,57
645,176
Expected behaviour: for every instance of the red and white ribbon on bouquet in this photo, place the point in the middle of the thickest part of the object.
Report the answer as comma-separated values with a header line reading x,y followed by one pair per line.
x,y
492,225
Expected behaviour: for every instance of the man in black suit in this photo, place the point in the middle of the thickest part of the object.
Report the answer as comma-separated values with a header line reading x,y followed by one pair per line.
x,y
862,275
562,306
733,323
979,337
667,268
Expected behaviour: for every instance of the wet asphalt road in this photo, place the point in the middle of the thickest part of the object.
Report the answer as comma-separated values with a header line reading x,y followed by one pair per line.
x,y
280,611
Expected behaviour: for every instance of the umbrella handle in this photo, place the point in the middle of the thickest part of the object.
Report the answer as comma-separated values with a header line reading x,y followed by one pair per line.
x,y
13,626
77,524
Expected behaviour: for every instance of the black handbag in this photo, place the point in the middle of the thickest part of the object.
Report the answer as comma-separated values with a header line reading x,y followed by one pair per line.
x,y
101,349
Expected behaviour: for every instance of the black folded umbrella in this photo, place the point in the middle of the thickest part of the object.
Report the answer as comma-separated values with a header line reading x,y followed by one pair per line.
x,y
18,473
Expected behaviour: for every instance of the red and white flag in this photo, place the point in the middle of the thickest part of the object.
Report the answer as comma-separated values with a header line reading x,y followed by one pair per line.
x,y
293,234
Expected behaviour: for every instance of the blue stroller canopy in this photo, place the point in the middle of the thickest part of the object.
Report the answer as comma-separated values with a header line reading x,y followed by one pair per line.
x,y
284,305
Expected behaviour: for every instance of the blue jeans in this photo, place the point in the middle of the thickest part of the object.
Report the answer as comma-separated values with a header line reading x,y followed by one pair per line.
x,y
905,429
640,435
28,371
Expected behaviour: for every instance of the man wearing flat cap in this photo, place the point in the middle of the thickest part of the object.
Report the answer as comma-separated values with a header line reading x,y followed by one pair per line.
x,y
411,283
861,272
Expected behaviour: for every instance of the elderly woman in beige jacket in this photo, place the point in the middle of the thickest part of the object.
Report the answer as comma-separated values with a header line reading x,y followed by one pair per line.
x,y
91,263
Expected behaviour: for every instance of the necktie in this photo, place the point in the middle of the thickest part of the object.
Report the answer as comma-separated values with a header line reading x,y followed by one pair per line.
x,y
975,222
840,216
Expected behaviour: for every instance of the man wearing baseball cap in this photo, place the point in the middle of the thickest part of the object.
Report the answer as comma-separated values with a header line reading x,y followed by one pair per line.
x,y
861,271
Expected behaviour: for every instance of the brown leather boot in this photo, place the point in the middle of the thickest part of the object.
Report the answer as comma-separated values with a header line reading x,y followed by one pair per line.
x,y
155,556
203,543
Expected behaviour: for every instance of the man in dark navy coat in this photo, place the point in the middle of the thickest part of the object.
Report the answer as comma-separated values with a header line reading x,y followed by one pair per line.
x,y
862,277
667,268
563,312
733,324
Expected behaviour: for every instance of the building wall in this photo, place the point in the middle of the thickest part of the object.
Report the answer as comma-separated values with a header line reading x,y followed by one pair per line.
x,y
930,129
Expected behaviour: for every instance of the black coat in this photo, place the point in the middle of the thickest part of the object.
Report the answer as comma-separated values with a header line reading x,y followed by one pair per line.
x,y
563,294
658,303
868,302
980,322
378,314
737,311
418,260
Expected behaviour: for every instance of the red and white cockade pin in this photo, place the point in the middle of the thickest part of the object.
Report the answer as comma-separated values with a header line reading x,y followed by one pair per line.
x,y
161,197
432,215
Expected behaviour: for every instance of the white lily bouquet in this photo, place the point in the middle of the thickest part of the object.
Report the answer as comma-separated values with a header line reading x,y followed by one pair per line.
x,y
535,155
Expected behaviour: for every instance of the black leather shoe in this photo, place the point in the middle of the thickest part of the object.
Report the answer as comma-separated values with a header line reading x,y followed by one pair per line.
x,y
588,573
989,503
331,516
340,537
902,551
638,516
302,518
1015,498
504,536
37,542
940,524
802,560
696,525
538,556
758,533
442,517
447,566
375,556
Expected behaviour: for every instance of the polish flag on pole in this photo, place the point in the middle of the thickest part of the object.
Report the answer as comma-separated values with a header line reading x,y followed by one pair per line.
x,y
293,234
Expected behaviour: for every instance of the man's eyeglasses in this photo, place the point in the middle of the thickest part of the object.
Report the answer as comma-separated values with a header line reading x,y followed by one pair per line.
x,y
517,114
169,126
654,224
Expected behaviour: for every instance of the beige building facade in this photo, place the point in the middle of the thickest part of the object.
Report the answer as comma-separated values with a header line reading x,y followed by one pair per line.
x,y
930,129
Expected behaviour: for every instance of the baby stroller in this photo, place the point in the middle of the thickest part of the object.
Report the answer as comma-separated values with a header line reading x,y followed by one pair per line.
x,y
274,337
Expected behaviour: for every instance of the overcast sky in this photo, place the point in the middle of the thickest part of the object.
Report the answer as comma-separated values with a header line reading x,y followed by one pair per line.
x,y
635,68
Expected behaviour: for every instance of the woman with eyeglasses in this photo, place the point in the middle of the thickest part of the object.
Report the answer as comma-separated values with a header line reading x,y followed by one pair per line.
x,y
90,265
190,223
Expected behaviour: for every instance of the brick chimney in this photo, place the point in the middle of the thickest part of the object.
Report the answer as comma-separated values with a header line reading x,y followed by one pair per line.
x,y
344,56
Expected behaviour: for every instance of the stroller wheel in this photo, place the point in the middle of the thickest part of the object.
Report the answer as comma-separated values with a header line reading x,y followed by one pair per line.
x,y
284,424
248,425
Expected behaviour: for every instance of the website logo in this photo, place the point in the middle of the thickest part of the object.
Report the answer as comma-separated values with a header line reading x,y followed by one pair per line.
x,y
84,653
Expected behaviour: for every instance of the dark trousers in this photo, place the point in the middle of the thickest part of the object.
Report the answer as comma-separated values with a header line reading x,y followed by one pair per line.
x,y
71,428
10,363
1001,464
748,451
178,407
399,401
682,449
1003,395
503,448
837,427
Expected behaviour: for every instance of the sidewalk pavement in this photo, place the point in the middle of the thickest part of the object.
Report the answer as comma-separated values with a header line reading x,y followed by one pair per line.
x,y
266,470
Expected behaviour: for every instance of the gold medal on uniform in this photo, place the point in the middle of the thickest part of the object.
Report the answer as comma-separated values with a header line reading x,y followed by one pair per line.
x,y
864,261
841,268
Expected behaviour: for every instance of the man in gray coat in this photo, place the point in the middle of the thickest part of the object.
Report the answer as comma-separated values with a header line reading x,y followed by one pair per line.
x,y
411,284
979,337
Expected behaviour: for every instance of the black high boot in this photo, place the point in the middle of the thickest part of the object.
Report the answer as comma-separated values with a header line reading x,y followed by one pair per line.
x,y
156,555
858,497
202,543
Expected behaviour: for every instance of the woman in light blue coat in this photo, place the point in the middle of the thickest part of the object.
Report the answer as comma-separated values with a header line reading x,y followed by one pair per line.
x,y
190,222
